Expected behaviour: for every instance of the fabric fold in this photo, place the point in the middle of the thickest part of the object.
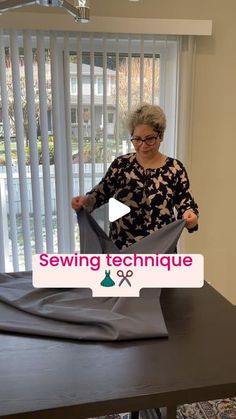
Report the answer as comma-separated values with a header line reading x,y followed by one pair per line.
x,y
74,313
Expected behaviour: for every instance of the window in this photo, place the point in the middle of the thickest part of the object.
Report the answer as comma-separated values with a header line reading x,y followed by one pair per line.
x,y
110,118
49,120
1,127
99,86
73,116
110,83
86,126
73,85
86,115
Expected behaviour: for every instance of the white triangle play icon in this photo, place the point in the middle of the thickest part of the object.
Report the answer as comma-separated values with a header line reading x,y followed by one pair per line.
x,y
117,209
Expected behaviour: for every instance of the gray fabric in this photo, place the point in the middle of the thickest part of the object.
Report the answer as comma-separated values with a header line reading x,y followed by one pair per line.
x,y
94,240
73,313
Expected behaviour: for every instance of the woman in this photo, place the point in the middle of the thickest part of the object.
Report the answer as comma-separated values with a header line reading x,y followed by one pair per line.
x,y
150,183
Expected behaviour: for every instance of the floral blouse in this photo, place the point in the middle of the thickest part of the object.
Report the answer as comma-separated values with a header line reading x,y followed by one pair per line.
x,y
151,194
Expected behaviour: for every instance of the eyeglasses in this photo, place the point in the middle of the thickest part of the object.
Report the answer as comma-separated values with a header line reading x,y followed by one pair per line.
x,y
149,140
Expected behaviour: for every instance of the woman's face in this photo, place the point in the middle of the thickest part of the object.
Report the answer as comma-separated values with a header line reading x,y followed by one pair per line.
x,y
143,149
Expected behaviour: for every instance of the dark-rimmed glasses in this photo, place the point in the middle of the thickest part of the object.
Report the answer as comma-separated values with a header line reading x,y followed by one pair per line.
x,y
149,140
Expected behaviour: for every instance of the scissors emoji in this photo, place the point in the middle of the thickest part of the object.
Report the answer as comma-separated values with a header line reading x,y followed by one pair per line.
x,y
124,276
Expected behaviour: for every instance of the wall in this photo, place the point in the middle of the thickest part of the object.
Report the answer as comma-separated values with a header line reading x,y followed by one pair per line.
x,y
212,163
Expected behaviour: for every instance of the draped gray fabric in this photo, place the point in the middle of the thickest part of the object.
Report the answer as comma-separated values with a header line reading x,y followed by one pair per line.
x,y
73,313
94,240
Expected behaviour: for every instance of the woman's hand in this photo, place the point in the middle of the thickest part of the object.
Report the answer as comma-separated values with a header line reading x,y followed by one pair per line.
x,y
191,219
78,202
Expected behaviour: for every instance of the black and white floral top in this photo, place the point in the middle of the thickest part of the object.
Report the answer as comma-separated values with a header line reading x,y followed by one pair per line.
x,y
151,194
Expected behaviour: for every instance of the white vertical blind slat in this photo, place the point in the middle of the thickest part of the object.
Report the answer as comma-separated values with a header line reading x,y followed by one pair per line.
x,y
163,75
20,148
141,69
68,138
129,82
62,147
3,226
117,124
8,159
80,114
32,133
104,60
59,175
153,70
129,75
92,109
2,244
105,132
44,139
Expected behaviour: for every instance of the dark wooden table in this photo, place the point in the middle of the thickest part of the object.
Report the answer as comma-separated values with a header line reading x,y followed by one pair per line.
x,y
44,378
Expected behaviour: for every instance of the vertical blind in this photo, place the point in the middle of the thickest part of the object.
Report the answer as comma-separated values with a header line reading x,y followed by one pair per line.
x,y
64,101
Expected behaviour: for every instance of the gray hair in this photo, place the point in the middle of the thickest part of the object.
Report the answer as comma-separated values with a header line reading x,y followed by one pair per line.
x,y
147,114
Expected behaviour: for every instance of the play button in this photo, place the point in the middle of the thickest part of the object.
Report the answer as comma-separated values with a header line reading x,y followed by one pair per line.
x,y
117,209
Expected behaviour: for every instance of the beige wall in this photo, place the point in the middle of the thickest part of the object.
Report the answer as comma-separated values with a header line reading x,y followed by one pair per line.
x,y
212,165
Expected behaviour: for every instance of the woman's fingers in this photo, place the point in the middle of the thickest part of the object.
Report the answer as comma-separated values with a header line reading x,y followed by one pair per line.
x,y
75,203
78,201
191,218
